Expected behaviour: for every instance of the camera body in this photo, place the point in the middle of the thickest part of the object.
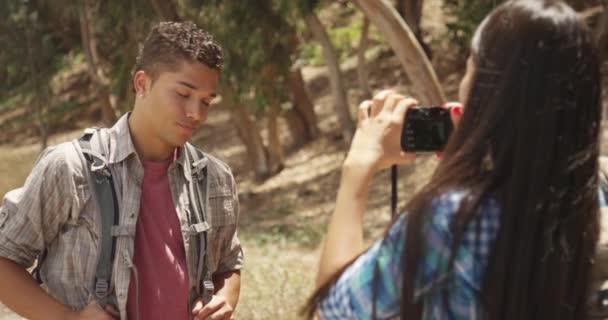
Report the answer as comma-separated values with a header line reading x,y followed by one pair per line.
x,y
426,129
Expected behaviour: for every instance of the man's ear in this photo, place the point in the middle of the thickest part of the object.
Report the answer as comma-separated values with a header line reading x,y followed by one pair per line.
x,y
140,83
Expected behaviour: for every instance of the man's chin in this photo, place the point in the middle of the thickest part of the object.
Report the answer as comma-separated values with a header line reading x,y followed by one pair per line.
x,y
181,140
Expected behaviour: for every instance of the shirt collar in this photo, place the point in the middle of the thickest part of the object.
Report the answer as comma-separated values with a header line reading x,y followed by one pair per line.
x,y
121,147
121,144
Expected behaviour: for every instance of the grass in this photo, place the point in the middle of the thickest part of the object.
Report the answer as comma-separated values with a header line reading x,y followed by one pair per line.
x,y
18,157
276,280
15,164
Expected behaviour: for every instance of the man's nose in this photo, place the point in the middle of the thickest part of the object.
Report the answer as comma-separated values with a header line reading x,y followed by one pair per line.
x,y
196,112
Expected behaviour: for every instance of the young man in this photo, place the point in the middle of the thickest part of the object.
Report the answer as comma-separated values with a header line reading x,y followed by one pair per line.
x,y
157,270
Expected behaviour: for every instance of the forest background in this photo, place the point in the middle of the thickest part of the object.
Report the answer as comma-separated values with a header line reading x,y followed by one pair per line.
x,y
295,72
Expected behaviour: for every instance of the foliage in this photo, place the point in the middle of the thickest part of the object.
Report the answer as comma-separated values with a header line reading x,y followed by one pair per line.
x,y
123,24
26,37
469,14
345,39
254,38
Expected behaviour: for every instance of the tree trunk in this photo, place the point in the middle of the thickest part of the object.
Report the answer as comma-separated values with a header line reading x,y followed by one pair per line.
x,y
39,91
411,11
297,128
165,9
42,119
335,76
411,55
303,107
89,44
362,72
275,149
250,136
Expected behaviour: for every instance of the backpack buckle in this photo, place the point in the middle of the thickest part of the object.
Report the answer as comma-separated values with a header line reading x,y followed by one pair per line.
x,y
198,168
208,289
102,287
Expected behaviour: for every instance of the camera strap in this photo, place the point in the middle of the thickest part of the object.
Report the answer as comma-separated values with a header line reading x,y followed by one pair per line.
x,y
393,191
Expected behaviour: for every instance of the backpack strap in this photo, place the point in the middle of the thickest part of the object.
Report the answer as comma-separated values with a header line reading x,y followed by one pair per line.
x,y
103,191
199,201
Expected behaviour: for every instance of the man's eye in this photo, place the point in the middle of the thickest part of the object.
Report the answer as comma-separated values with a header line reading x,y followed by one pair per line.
x,y
182,94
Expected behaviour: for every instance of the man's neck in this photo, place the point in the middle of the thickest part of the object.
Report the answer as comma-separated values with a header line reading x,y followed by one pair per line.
x,y
147,145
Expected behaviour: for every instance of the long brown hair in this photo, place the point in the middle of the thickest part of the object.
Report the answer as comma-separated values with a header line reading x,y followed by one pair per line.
x,y
529,135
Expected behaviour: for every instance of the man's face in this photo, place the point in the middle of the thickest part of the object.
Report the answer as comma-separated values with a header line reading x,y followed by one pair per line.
x,y
178,102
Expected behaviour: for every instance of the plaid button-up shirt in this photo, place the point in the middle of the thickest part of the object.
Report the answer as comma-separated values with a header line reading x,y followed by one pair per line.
x,y
352,295
55,211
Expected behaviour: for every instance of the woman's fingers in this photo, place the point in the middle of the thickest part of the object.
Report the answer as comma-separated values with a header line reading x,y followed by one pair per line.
x,y
407,157
402,107
455,111
364,110
378,101
391,103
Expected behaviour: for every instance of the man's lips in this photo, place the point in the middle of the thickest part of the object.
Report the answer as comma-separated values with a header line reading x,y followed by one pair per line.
x,y
188,127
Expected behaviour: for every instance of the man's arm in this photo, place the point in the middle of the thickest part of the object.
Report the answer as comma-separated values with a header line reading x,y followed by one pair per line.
x,y
222,305
227,277
20,292
228,285
29,218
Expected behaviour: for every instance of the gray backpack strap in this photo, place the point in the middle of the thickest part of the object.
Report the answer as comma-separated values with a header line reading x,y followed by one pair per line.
x,y
102,190
199,201
104,193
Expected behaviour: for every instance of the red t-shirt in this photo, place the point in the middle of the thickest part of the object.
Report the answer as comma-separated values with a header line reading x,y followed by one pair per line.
x,y
159,252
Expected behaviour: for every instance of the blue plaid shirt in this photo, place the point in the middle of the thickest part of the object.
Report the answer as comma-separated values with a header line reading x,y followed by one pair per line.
x,y
352,295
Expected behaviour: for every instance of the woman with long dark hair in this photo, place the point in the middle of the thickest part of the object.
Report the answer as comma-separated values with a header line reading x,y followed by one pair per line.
x,y
507,226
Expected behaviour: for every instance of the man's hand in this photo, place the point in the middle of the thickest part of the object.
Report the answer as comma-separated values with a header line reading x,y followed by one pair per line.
x,y
216,309
94,312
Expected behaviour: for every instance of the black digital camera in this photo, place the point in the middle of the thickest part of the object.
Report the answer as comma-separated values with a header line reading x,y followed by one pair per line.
x,y
426,129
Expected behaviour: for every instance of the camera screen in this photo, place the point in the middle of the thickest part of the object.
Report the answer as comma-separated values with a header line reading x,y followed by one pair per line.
x,y
430,134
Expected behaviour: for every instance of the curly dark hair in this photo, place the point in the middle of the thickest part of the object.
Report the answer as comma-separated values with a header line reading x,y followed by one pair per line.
x,y
170,43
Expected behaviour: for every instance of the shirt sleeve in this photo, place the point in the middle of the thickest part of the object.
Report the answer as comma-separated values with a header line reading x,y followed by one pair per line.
x,y
31,216
360,286
353,294
231,258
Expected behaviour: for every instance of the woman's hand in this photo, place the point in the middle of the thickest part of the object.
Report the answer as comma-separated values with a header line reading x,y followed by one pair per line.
x,y
376,145
456,110
377,141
